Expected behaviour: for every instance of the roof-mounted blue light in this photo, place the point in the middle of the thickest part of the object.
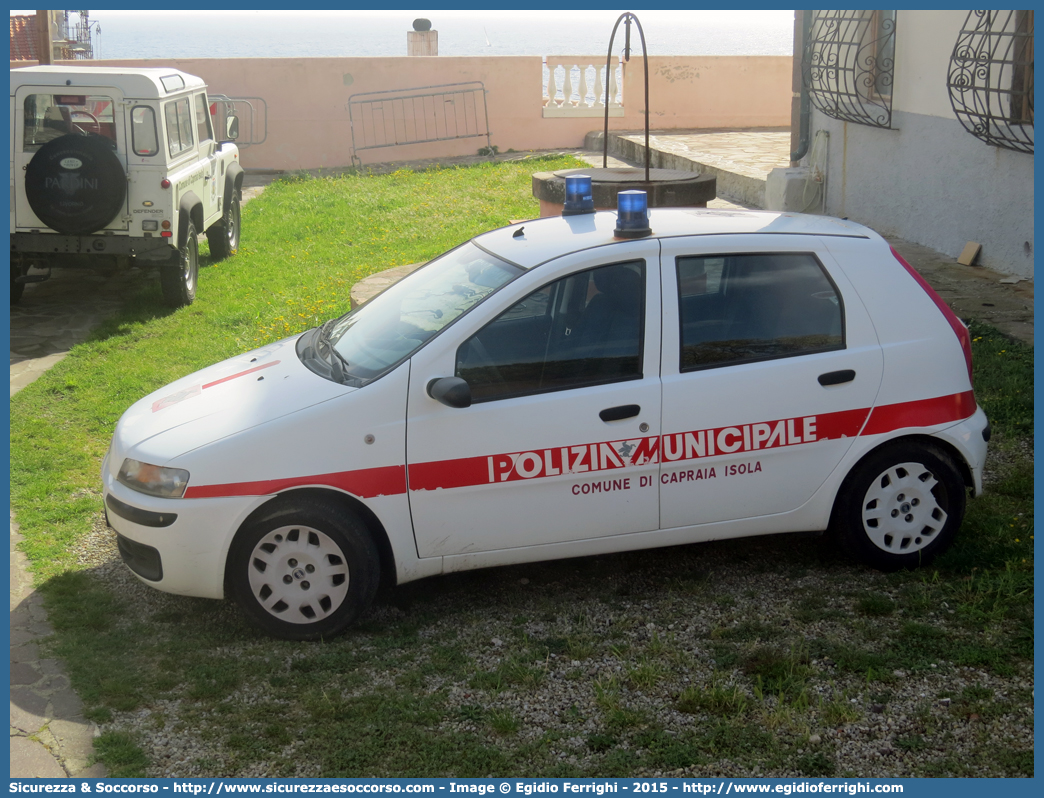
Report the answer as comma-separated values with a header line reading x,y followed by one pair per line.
x,y
578,195
632,215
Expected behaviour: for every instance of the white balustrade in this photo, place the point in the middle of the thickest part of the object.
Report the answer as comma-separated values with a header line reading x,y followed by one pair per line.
x,y
574,86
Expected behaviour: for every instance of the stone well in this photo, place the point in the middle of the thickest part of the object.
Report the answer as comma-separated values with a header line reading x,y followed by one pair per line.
x,y
666,188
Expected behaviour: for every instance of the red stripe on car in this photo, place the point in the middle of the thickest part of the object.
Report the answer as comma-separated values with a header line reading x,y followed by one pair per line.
x,y
594,457
365,482
922,413
241,374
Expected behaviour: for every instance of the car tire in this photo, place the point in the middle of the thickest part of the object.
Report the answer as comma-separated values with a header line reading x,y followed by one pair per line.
x,y
305,571
179,275
224,235
900,507
76,184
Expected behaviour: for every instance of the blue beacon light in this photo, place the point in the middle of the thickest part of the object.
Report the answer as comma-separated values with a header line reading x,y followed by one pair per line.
x,y
632,215
578,196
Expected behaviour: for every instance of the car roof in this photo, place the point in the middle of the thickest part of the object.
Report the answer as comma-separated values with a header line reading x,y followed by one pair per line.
x,y
528,244
133,82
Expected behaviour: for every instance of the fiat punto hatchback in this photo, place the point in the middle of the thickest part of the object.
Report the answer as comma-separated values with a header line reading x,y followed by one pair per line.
x,y
564,387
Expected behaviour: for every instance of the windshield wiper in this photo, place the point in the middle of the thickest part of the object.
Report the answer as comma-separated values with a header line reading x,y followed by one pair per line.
x,y
338,362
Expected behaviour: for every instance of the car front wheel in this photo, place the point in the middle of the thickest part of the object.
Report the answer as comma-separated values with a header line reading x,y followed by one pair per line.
x,y
900,507
305,571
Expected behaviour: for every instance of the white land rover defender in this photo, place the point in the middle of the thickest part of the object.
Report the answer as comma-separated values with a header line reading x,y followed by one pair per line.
x,y
113,164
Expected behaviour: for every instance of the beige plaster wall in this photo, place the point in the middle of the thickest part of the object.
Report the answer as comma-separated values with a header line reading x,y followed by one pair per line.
x,y
308,123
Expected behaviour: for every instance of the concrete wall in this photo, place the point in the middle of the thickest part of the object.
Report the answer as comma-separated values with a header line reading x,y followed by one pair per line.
x,y
308,123
927,179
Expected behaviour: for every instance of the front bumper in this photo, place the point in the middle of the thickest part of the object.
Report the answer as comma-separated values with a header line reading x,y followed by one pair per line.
x,y
175,545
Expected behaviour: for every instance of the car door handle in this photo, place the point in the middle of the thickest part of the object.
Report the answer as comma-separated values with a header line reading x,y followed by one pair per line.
x,y
617,413
837,377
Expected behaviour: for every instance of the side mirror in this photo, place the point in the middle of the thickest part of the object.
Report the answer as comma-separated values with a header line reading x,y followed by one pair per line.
x,y
232,128
450,391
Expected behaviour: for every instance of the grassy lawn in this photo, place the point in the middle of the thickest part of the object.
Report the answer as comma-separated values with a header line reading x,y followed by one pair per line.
x,y
765,656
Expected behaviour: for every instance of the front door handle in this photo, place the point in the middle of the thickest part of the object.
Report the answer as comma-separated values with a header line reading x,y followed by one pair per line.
x,y
617,413
837,377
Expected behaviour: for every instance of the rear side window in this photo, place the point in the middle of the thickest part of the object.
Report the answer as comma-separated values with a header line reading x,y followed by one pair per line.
x,y
585,329
143,131
743,308
178,119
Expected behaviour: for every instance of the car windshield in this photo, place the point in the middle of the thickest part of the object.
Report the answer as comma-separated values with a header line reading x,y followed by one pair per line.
x,y
393,325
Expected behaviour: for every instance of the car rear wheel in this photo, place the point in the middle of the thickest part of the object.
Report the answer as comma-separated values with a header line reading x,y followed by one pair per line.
x,y
179,275
224,236
900,507
305,571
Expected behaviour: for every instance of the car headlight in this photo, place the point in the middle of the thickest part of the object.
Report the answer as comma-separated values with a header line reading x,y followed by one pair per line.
x,y
167,483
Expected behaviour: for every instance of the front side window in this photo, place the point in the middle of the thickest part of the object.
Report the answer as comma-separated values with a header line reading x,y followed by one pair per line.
x,y
49,116
143,131
584,329
744,308
178,119
203,131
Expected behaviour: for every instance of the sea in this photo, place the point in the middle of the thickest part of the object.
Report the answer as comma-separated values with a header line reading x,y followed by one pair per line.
x,y
297,34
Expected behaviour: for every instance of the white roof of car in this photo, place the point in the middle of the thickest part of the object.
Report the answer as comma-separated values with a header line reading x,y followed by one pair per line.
x,y
139,83
540,240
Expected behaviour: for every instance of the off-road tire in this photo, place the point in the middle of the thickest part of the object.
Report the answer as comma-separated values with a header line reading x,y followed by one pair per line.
x,y
17,288
305,571
76,184
223,236
179,275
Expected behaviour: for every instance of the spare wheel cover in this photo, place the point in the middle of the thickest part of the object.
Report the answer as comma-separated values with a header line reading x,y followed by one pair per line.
x,y
76,184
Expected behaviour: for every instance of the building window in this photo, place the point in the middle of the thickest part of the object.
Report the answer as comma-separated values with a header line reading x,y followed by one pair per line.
x,y
991,78
848,65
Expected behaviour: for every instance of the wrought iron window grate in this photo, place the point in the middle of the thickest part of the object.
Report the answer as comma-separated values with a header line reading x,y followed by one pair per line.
x,y
991,78
848,63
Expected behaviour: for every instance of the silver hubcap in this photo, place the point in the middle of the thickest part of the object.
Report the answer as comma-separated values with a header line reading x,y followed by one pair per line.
x,y
900,512
188,258
298,574
232,226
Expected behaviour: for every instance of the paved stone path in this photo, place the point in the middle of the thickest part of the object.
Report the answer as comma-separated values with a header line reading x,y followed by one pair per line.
x,y
49,735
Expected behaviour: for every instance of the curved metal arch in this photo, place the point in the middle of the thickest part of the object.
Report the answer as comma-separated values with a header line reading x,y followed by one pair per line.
x,y
990,79
627,17
848,65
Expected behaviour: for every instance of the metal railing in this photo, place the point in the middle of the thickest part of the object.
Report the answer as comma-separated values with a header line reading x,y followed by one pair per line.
x,y
252,113
419,115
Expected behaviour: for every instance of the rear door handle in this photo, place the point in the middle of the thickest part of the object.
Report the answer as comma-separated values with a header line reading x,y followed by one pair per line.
x,y
837,377
617,413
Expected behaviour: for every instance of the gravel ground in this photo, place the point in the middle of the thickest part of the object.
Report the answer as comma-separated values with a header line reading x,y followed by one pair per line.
x,y
666,611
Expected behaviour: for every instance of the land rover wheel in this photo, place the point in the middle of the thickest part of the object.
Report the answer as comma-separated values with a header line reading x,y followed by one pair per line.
x,y
76,184
17,287
900,507
179,275
305,571
223,236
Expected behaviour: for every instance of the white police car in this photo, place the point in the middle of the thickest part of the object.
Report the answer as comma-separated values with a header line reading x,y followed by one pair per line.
x,y
568,386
